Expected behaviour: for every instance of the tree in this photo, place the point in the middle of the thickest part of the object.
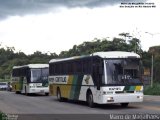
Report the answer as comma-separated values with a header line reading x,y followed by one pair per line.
x,y
135,45
9,57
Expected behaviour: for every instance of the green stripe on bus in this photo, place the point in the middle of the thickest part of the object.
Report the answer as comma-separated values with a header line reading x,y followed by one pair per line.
x,y
73,86
76,86
126,88
129,88
132,88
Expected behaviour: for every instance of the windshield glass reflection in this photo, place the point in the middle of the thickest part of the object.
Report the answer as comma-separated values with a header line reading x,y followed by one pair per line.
x,y
123,71
39,75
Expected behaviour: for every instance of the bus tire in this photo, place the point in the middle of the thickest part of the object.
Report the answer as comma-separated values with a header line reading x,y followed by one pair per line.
x,y
59,95
90,101
124,105
46,94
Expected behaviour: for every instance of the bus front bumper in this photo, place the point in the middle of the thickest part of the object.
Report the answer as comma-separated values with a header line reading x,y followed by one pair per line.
x,y
39,90
122,98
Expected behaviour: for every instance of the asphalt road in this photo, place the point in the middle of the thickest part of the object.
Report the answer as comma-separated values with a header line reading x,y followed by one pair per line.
x,y
11,103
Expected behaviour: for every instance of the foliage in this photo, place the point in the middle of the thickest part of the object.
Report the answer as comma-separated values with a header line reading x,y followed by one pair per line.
x,y
117,44
10,58
155,51
3,116
155,90
146,59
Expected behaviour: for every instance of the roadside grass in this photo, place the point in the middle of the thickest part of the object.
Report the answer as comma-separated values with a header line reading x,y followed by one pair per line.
x,y
0,116
3,116
155,90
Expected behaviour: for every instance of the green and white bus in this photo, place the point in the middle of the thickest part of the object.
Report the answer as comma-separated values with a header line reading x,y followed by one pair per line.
x,y
103,78
31,78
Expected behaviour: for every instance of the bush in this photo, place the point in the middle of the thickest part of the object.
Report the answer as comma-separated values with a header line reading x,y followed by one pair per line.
x,y
3,116
155,90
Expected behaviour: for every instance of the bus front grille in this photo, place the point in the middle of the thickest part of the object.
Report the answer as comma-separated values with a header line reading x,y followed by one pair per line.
x,y
119,92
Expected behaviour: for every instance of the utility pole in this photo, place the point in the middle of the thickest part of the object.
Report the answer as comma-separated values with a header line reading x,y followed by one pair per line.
x,y
152,72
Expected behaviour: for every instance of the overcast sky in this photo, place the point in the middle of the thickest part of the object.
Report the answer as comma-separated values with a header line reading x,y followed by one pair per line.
x,y
57,25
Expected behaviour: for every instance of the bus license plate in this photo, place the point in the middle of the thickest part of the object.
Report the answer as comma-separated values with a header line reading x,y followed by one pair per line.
x,y
42,91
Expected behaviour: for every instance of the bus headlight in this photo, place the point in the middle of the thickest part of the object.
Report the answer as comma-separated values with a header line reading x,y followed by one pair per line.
x,y
110,99
33,86
140,97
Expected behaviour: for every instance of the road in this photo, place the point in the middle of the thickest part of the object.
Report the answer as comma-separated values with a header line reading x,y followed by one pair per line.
x,y
12,103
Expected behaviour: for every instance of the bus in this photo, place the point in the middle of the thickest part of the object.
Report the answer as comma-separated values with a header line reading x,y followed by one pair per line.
x,y
31,78
3,85
102,78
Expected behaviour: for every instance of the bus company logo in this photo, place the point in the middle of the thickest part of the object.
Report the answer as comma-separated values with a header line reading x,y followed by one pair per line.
x,y
58,79
115,88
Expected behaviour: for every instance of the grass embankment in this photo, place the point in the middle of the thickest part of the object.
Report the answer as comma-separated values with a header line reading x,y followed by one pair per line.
x,y
1,115
154,90
4,116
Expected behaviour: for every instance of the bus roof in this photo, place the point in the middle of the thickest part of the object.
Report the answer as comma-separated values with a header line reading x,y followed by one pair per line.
x,y
66,59
110,54
116,54
32,66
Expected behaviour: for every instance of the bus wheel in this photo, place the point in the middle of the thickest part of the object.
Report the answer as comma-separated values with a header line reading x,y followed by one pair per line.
x,y
46,94
90,100
59,95
124,104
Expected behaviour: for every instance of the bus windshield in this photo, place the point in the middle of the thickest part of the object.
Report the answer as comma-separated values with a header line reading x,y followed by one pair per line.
x,y
39,75
123,71
3,83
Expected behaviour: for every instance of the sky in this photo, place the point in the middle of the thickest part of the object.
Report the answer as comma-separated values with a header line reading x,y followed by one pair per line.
x,y
56,25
